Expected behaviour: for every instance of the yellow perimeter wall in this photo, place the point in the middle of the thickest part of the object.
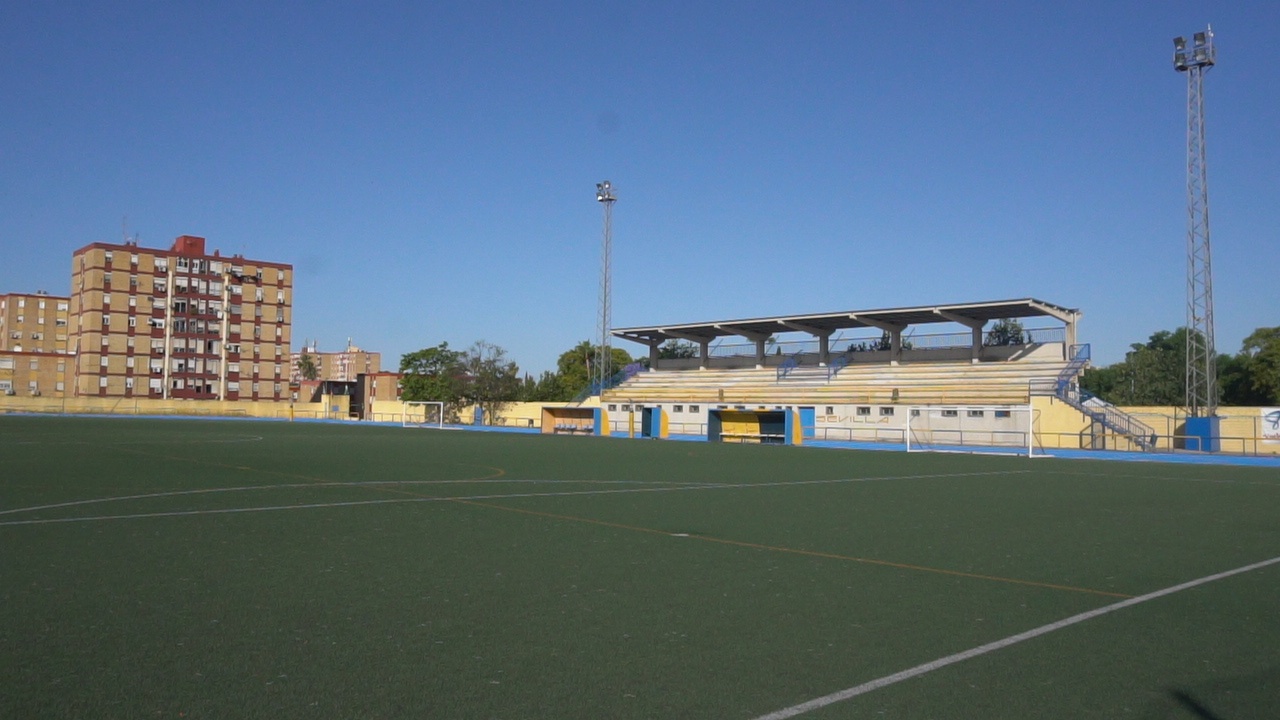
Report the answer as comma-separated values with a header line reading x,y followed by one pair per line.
x,y
1058,425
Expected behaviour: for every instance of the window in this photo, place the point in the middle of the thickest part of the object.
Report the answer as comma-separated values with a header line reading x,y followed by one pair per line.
x,y
62,306
59,386
133,301
41,304
128,383
277,371
1003,414
277,388
22,302
976,413
102,361
279,297
830,410
677,408
133,281
626,408
102,381
19,318
133,321
255,388
128,362
35,365
887,411
162,264
106,299
6,363
184,264
133,259
950,413
279,318
60,322
864,410
109,257
257,295
233,387
106,319
694,408
915,413
37,336
613,407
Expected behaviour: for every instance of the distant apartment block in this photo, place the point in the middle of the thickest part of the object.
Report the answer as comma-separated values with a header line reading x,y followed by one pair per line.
x,y
343,366
34,322
179,323
34,329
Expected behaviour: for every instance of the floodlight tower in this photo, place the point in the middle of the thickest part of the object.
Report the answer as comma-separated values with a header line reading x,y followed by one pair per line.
x,y
1201,374
602,371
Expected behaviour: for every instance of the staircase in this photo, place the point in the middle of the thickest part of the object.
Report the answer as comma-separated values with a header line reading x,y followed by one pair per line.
x,y
1067,389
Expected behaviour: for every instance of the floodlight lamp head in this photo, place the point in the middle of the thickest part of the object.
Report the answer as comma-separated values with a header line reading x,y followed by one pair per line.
x,y
1179,43
604,192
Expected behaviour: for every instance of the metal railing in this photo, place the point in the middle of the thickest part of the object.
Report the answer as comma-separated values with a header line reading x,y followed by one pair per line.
x,y
1067,389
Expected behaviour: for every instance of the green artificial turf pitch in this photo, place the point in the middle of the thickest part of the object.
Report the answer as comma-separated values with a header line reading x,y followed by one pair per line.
x,y
167,568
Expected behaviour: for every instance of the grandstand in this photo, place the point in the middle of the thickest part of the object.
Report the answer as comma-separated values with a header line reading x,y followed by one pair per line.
x,y
845,382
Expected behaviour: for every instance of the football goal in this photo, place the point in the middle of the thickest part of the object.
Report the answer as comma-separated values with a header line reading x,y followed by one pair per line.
x,y
423,413
987,429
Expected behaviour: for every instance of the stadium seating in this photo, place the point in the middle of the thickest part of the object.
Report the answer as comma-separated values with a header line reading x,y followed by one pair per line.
x,y
872,383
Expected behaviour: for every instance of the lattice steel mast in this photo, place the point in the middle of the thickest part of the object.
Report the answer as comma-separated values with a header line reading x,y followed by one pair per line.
x,y
602,370
1202,376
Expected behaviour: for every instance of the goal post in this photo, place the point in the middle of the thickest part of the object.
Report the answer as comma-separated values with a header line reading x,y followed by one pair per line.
x,y
422,413
982,429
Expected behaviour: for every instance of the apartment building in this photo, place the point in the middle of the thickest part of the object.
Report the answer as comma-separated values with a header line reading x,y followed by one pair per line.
x,y
342,366
179,323
36,322
34,329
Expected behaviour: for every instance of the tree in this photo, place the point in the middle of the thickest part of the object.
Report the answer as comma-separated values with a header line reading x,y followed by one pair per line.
x,y
574,366
1154,373
307,367
433,373
1260,357
677,350
491,381
1005,332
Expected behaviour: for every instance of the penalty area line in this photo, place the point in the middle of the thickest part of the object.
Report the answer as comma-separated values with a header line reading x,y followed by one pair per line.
x,y
990,647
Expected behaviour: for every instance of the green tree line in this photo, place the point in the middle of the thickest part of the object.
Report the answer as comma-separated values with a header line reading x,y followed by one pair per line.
x,y
1154,373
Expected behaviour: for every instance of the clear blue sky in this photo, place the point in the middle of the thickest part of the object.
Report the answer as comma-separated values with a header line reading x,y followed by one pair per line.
x,y
429,167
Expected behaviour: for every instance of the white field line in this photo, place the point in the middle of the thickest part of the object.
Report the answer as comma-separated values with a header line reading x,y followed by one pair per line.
x,y
990,647
165,441
336,483
496,496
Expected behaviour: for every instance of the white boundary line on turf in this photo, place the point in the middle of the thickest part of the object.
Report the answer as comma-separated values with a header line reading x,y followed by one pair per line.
x,y
333,484
111,443
929,667
496,496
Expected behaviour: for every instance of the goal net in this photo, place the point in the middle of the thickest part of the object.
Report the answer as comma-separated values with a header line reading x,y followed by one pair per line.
x,y
423,413
987,429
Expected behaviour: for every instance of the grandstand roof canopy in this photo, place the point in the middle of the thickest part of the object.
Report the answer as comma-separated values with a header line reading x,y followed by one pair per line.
x,y
822,324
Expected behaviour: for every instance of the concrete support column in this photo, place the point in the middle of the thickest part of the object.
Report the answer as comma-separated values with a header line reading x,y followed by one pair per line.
x,y
653,355
704,354
895,346
759,354
824,350
976,353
